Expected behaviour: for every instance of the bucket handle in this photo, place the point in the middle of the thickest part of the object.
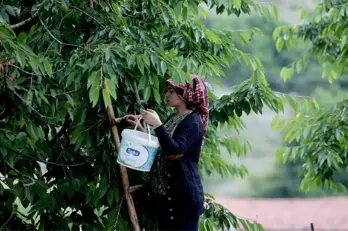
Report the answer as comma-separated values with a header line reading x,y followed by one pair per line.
x,y
148,129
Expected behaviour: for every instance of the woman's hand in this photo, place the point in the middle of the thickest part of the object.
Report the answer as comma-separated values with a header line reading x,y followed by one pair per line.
x,y
133,120
151,117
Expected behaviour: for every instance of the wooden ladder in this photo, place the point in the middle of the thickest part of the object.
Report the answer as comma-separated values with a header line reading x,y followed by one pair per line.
x,y
124,175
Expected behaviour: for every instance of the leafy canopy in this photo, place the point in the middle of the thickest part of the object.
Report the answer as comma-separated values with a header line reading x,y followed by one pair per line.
x,y
58,164
322,132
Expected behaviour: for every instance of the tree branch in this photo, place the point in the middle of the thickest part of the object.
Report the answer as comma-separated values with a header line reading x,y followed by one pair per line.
x,y
135,188
76,8
26,72
22,23
8,220
89,3
57,40
66,124
48,162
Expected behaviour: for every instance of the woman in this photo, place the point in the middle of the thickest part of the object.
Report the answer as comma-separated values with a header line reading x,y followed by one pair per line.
x,y
175,183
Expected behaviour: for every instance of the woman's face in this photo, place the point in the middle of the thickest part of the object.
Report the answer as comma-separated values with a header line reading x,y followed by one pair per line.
x,y
172,99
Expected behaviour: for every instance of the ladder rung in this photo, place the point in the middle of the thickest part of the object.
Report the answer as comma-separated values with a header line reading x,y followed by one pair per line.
x,y
136,188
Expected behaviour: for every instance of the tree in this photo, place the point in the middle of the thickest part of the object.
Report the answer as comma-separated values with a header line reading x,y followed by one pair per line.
x,y
321,131
285,181
62,63
264,48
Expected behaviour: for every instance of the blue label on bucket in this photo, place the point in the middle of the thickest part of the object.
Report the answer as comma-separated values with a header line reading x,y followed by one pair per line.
x,y
133,152
136,156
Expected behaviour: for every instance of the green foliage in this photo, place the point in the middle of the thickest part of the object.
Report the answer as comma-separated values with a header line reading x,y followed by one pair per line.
x,y
321,133
218,217
63,63
284,181
260,31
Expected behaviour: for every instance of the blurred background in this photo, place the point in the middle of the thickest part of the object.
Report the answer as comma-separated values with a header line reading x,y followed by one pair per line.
x,y
271,192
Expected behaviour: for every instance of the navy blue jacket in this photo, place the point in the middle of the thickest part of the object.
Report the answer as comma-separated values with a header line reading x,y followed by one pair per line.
x,y
185,194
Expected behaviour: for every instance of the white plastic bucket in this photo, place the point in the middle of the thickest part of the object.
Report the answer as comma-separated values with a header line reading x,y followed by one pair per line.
x,y
137,149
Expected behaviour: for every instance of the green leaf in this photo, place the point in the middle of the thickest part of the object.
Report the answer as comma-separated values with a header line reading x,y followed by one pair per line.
x,y
154,60
147,93
117,192
32,132
279,44
11,10
75,135
203,12
237,4
157,95
34,64
106,98
265,12
94,94
42,96
47,66
20,57
275,11
76,184
211,36
287,72
184,12
259,227
29,194
315,104
166,17
245,224
112,89
155,81
244,37
142,82
110,196
343,42
112,218
131,60
305,58
163,67
275,122
298,66
140,64
177,9
107,54
146,60
93,79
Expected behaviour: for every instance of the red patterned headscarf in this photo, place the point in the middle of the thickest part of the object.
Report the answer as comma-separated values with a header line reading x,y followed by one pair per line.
x,y
196,97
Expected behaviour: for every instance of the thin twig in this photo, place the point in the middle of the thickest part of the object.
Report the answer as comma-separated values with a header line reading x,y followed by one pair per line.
x,y
20,173
63,93
57,164
57,40
8,220
96,124
22,23
65,126
26,72
118,214
76,8
31,108
31,73
48,162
